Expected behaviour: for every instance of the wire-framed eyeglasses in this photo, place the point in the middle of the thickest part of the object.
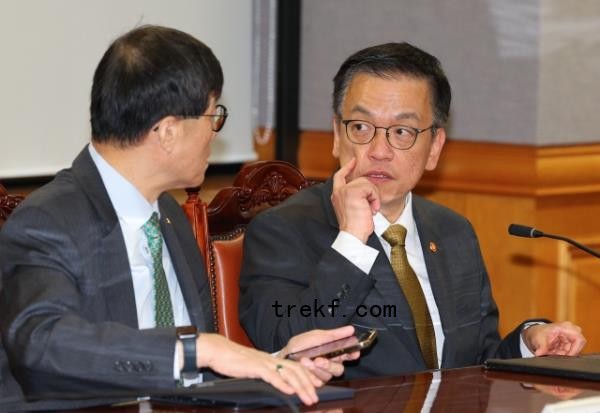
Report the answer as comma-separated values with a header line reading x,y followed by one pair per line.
x,y
218,119
401,137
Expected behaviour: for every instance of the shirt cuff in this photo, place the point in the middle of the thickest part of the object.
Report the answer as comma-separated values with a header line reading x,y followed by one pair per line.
x,y
176,372
355,251
525,352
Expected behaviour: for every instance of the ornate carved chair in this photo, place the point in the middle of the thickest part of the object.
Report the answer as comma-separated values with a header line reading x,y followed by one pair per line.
x,y
219,230
7,203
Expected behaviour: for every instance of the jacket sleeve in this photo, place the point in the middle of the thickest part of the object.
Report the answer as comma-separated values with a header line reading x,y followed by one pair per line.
x,y
290,285
53,340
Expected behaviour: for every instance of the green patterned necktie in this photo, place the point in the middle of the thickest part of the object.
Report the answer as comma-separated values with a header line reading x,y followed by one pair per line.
x,y
163,310
395,235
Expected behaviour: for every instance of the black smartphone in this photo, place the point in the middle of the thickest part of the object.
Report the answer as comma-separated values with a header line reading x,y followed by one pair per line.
x,y
337,347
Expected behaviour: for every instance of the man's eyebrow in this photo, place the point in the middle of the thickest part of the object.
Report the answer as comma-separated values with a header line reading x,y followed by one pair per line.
x,y
408,115
401,116
361,109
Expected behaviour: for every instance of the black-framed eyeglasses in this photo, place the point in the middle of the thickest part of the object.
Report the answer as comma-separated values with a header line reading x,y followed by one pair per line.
x,y
218,119
401,137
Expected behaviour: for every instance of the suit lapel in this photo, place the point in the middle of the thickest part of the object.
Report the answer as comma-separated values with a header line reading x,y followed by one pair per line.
x,y
116,275
436,260
190,280
117,282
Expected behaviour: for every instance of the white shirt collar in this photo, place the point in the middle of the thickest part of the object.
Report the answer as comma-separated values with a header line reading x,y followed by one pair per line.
x,y
406,219
128,202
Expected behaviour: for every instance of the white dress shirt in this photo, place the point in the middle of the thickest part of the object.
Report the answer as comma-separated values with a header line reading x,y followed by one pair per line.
x,y
363,256
133,210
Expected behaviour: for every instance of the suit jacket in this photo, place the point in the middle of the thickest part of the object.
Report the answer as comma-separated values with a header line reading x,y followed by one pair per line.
x,y
289,263
69,319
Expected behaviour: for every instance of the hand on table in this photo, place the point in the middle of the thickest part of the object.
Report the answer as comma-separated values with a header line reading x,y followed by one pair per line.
x,y
562,338
234,360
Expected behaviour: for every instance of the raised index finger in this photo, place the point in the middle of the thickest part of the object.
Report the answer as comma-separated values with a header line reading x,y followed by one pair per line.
x,y
339,178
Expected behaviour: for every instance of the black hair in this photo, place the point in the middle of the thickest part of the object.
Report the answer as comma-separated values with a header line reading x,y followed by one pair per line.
x,y
147,74
392,59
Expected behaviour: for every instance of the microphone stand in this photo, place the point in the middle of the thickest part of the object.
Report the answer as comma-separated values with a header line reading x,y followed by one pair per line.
x,y
530,232
572,242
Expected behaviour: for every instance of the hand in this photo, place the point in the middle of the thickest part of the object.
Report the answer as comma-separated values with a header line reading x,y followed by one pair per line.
x,y
354,202
563,338
234,360
323,368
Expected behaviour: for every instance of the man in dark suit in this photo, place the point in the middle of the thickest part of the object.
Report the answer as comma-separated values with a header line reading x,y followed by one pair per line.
x,y
103,284
362,249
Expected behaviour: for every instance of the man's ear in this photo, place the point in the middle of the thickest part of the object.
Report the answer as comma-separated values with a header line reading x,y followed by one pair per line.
x,y
336,138
166,132
437,143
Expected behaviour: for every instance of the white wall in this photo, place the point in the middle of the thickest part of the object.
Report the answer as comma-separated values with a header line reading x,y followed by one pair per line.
x,y
49,50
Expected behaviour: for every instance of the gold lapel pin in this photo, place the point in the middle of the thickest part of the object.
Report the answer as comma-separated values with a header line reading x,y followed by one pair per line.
x,y
168,221
432,247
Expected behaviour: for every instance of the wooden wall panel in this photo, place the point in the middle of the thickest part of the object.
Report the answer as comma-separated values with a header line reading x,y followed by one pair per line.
x,y
314,154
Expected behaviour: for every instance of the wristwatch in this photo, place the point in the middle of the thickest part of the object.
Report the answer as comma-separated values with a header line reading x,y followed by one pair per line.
x,y
188,336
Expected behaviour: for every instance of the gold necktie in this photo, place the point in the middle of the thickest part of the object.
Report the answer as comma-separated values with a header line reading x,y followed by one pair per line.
x,y
395,235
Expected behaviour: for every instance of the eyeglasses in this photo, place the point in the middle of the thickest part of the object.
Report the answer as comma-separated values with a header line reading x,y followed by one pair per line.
x,y
218,119
401,137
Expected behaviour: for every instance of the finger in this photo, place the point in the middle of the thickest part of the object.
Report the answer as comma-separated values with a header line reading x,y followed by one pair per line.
x,y
320,363
333,368
577,346
339,178
373,199
281,379
314,380
341,332
326,336
346,357
275,380
557,345
318,337
324,375
302,374
541,350
302,380
564,344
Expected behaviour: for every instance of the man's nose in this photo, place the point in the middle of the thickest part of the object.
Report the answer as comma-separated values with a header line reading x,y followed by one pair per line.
x,y
380,148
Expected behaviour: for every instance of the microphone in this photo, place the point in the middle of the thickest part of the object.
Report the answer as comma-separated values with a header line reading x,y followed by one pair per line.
x,y
530,232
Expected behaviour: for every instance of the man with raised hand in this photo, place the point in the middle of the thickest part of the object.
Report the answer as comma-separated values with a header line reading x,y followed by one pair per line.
x,y
362,249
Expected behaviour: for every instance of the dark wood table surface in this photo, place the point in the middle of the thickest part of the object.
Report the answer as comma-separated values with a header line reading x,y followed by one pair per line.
x,y
465,390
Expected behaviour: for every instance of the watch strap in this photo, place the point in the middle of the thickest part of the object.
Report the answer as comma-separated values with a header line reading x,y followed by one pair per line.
x,y
188,336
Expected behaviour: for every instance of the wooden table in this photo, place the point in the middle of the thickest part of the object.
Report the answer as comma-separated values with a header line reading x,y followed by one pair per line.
x,y
465,390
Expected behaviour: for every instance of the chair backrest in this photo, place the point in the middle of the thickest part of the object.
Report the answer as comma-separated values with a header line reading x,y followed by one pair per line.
x,y
219,230
7,203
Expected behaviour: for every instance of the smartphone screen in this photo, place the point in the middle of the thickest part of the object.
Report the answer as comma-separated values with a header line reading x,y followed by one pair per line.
x,y
337,347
